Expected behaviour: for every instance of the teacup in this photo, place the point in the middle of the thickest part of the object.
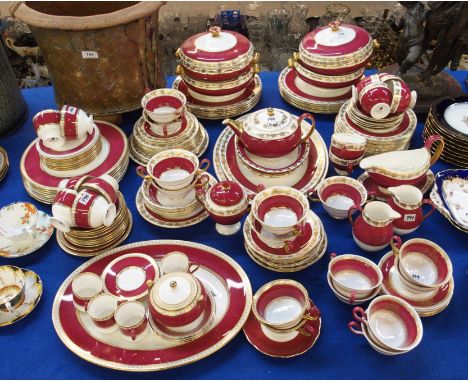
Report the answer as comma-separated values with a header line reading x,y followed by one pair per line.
x,y
177,262
131,319
47,126
176,198
343,166
164,105
375,99
280,210
163,129
354,277
74,183
402,97
75,123
62,217
338,194
173,169
101,309
347,146
91,210
85,286
105,185
283,309
392,323
18,221
12,288
422,263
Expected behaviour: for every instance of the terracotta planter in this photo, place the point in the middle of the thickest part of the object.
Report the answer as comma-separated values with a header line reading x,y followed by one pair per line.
x,y
101,55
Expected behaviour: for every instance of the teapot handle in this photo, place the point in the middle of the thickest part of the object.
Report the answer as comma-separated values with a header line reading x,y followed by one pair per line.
x,y
312,125
351,212
440,147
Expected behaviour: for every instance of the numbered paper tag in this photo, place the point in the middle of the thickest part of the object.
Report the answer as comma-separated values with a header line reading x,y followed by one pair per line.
x,y
410,218
89,54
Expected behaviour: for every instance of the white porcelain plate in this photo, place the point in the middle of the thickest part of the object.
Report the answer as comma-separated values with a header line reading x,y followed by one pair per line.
x,y
456,116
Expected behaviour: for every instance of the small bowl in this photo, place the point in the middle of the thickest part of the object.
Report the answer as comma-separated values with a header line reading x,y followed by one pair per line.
x,y
281,210
355,276
339,193
12,288
423,263
164,105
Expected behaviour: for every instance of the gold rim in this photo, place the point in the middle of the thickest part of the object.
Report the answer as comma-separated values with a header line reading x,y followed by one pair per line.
x,y
154,367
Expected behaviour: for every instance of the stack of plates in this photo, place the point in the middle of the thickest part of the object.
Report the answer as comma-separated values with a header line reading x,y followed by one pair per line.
x,y
450,197
280,260
93,241
388,134
449,118
218,110
144,143
42,183
4,164
175,216
330,61
426,304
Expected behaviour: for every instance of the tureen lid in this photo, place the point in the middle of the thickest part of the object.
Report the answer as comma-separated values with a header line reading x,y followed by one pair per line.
x,y
336,39
270,123
227,193
174,291
216,46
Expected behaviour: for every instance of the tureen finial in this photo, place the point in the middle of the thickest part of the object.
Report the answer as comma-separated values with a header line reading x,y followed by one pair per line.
x,y
271,112
215,31
335,25
173,284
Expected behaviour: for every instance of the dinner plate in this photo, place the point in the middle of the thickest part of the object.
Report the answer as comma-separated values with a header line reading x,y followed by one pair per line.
x,y
224,280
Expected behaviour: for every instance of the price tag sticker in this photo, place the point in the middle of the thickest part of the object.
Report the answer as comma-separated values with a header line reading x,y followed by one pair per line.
x,y
87,54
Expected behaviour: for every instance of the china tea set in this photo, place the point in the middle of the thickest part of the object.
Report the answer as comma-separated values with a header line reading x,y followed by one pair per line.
x,y
165,124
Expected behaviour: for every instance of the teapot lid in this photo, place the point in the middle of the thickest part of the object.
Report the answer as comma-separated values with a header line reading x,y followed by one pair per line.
x,y
227,193
174,291
216,45
270,123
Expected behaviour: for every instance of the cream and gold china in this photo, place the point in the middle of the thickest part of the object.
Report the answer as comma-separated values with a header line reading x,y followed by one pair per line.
x,y
350,300
226,202
354,277
32,296
392,324
41,233
228,302
101,309
85,286
177,262
12,288
164,106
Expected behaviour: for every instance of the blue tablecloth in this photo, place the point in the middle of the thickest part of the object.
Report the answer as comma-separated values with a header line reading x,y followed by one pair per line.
x,y
31,349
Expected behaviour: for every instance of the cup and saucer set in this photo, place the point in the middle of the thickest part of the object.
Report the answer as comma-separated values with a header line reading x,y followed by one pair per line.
x,y
284,321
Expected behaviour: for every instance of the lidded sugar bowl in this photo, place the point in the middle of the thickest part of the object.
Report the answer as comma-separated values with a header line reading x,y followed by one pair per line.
x,y
271,132
226,202
177,300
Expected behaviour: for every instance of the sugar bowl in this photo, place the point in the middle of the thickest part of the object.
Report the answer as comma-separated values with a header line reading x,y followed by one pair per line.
x,y
177,301
226,202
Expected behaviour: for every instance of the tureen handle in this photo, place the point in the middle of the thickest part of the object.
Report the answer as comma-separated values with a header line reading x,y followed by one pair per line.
x,y
312,125
440,147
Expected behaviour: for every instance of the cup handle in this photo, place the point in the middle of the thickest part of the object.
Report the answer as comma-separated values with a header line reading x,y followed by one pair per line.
x,y
133,334
352,297
9,307
428,202
355,328
306,330
359,314
142,173
193,267
204,165
440,147
309,116
288,246
396,243
351,212
299,230
260,187
312,195
349,169
372,195
333,255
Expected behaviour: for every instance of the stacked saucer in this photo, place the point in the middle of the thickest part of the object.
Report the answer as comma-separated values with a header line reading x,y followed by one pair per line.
x,y
448,118
419,272
69,147
167,196
4,164
166,124
281,233
389,133
330,60
218,74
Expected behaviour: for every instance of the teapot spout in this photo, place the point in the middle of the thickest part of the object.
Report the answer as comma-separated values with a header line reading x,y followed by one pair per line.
x,y
234,125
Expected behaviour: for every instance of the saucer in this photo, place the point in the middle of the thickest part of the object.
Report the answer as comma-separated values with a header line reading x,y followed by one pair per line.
x,y
127,276
11,249
33,293
297,346
202,328
428,305
424,185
